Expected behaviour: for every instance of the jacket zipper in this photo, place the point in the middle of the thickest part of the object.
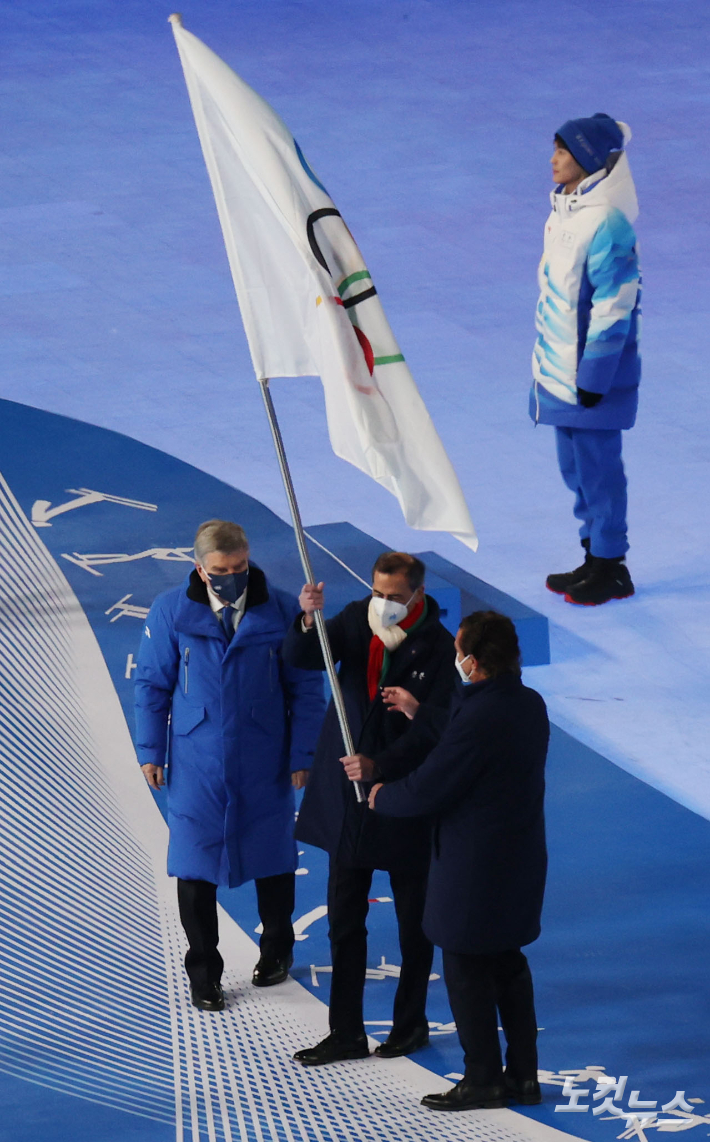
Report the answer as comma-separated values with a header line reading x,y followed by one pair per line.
x,y
186,660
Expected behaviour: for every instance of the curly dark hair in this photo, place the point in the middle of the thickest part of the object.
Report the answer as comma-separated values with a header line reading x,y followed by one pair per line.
x,y
492,640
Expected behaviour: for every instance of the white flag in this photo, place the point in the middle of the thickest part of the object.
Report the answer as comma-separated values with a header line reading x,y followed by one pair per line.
x,y
308,303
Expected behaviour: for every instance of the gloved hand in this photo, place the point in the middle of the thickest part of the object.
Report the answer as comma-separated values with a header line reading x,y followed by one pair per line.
x,y
588,399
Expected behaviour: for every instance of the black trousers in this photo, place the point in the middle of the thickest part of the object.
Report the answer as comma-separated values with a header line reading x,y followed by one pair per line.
x,y
481,987
197,900
348,892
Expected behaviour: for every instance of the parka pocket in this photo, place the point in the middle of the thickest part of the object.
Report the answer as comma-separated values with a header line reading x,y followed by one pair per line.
x,y
268,713
186,717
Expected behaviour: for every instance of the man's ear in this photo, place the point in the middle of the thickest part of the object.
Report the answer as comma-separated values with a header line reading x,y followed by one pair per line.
x,y
202,573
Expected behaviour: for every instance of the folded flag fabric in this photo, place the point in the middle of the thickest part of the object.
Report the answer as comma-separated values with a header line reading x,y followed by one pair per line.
x,y
308,303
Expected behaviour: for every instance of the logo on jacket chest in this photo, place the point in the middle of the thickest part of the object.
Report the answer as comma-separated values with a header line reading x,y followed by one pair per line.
x,y
567,239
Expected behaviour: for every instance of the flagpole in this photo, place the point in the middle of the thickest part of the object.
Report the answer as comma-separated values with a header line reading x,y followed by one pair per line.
x,y
308,572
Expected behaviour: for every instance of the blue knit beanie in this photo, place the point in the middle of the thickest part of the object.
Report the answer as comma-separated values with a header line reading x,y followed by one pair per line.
x,y
591,141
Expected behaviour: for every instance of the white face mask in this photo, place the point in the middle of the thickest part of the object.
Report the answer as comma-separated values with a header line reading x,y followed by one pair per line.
x,y
462,673
389,612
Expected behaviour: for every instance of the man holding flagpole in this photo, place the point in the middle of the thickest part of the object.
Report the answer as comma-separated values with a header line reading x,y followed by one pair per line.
x,y
394,653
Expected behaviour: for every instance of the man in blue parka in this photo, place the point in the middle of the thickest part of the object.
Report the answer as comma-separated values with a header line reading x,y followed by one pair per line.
x,y
236,729
586,365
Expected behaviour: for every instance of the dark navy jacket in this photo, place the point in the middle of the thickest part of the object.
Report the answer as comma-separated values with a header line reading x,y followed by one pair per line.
x,y
330,817
485,784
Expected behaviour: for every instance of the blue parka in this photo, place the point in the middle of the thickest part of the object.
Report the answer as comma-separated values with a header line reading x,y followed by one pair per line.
x,y
231,722
588,314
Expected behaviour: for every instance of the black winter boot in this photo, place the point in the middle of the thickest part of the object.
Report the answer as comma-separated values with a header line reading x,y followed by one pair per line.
x,y
561,583
607,579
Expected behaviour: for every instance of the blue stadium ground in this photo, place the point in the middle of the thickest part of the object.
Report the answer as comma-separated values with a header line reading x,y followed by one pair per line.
x,y
430,124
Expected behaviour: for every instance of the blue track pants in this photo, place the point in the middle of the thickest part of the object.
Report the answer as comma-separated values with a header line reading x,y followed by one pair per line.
x,y
591,466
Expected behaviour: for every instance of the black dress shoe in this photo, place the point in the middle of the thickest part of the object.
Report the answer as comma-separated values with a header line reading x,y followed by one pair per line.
x,y
268,971
524,1091
208,997
467,1096
333,1049
396,1044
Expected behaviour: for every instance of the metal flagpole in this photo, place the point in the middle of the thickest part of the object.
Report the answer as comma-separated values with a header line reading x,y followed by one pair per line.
x,y
308,572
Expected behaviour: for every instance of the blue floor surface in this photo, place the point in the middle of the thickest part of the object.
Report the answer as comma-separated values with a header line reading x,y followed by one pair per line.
x,y
31,1112
620,967
431,124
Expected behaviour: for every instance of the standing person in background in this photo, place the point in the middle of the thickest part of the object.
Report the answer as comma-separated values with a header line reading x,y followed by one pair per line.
x,y
484,783
389,640
586,365
239,728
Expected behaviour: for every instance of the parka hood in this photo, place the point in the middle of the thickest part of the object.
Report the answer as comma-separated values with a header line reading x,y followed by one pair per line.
x,y
610,189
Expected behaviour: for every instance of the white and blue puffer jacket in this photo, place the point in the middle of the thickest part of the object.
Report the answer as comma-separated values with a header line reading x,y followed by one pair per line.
x,y
588,314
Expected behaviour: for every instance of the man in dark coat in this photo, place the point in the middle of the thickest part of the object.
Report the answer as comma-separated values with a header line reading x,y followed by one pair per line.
x,y
484,782
385,642
237,729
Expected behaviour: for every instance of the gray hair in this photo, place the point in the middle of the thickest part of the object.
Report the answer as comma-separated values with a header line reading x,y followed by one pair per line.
x,y
219,535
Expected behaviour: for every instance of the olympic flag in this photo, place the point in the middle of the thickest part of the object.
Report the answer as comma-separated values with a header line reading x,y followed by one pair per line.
x,y
307,300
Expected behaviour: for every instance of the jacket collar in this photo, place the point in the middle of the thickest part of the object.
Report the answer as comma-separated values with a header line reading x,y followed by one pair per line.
x,y
508,681
194,615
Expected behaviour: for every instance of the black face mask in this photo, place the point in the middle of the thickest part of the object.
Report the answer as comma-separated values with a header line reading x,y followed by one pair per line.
x,y
228,588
